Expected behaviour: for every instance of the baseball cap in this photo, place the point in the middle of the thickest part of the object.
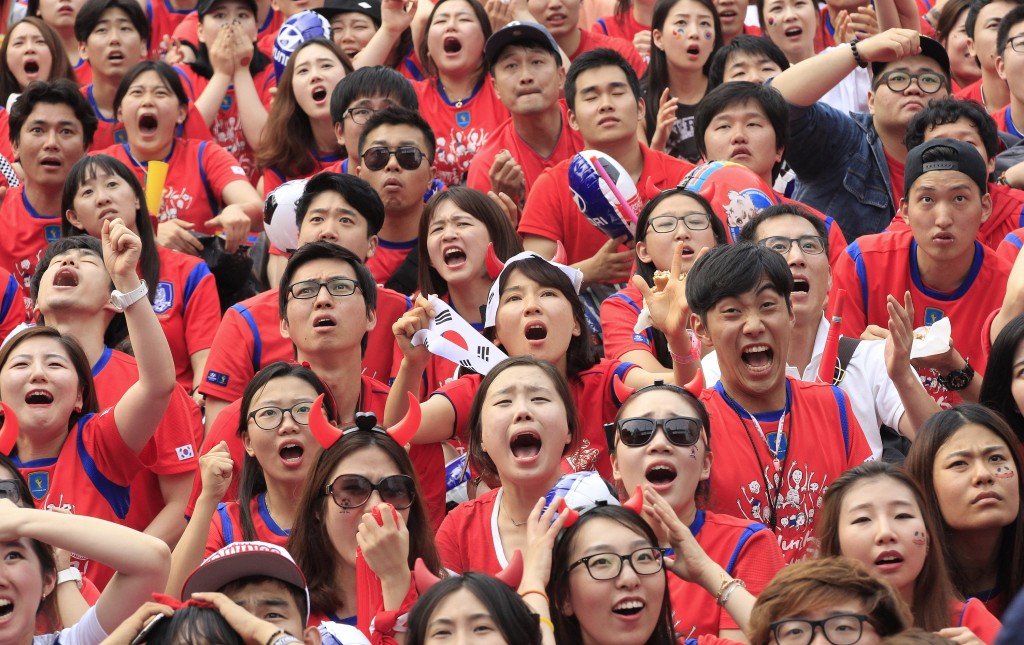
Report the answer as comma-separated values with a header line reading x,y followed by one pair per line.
x,y
519,33
369,8
959,156
243,559
204,6
929,48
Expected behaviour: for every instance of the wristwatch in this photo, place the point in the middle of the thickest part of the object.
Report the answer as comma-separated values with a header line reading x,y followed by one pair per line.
x,y
958,379
122,301
70,574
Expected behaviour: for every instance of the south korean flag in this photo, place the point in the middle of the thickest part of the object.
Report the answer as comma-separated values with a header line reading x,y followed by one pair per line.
x,y
451,337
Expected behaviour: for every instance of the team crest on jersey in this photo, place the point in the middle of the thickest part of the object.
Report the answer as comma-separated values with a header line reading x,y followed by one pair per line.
x,y
164,298
52,233
932,316
226,103
462,119
121,136
39,484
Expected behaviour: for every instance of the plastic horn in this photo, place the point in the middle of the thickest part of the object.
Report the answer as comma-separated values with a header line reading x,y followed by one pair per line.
x,y
827,368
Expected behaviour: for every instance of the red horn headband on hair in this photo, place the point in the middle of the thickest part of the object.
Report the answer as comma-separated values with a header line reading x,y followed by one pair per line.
x,y
495,265
622,391
326,434
571,514
9,432
423,577
512,574
696,384
636,502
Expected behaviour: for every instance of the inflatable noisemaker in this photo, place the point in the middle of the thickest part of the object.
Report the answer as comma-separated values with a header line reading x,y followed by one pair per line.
x,y
156,176
9,431
605,193
369,595
827,368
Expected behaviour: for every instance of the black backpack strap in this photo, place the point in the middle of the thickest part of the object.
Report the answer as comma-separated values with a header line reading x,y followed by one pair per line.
x,y
847,346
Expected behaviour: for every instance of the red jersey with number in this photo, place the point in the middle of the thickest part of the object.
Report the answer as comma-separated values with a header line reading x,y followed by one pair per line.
x,y
1007,216
1004,121
26,233
90,476
468,539
590,40
172,448
387,258
197,173
592,392
227,125
624,26
505,137
111,131
746,550
460,127
272,177
886,263
550,211
226,527
821,439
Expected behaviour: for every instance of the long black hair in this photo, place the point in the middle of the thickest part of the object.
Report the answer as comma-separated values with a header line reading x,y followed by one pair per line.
x,y
996,389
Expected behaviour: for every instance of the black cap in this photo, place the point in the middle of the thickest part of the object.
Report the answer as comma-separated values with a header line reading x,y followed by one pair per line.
x,y
204,6
369,8
957,155
929,48
518,33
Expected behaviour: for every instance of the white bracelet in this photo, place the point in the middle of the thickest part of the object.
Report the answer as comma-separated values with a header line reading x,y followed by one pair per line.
x,y
71,574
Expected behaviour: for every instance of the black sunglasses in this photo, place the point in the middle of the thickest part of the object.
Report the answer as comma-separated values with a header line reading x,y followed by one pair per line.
x,y
352,491
408,157
638,431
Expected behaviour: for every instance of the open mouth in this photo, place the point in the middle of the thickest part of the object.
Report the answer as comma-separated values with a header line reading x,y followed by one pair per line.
x,y
291,452
629,607
115,56
324,321
887,558
525,445
319,94
38,397
31,67
793,32
65,277
800,285
660,474
454,257
452,45
758,357
50,162
536,331
6,608
687,252
693,50
148,123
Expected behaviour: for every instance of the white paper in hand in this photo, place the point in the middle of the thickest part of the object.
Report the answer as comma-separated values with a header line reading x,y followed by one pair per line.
x,y
451,337
931,341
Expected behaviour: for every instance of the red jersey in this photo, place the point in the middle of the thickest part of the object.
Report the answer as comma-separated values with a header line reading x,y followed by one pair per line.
x,y
28,232
172,448
506,138
188,308
197,175
1007,216
822,439
593,40
90,476
272,178
972,92
1004,121
226,526
746,550
824,36
877,265
461,127
5,134
227,126
188,30
619,313
1011,245
12,309
372,398
552,213
974,615
163,19
468,540
111,131
624,26
595,400
249,338
387,258
83,72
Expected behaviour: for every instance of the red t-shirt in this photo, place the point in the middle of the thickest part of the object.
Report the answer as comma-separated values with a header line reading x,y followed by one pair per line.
x,y
12,311
198,171
592,391
83,72
5,134
468,539
593,40
227,126
90,476
975,616
172,448
824,440
505,138
272,178
249,338
896,170
746,550
1011,245
824,36
163,20
1004,121
877,265
226,527
551,212
1007,216
461,128
619,313
624,26
111,131
387,258
972,92
27,233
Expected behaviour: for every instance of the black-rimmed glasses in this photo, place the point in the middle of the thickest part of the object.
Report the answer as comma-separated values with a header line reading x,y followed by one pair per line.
x,y
359,115
841,629
810,244
1016,44
899,81
645,561
271,417
338,287
669,223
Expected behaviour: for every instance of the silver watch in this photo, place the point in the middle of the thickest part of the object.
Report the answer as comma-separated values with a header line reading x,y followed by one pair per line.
x,y
122,301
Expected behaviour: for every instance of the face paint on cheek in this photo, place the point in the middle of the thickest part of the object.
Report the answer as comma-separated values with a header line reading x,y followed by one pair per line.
x,y
677,34
693,453
771,20
920,539
708,35
1005,472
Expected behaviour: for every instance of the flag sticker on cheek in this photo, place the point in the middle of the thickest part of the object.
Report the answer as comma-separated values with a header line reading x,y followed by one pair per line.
x,y
920,538
708,35
677,34
771,20
1005,472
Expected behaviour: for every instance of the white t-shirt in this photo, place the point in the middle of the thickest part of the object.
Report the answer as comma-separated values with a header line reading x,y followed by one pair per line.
x,y
86,631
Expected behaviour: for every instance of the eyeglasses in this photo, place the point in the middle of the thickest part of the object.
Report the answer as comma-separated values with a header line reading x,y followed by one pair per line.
x,y
352,491
810,244
408,157
929,82
1016,44
271,417
669,223
607,566
11,489
338,287
638,431
359,115
842,629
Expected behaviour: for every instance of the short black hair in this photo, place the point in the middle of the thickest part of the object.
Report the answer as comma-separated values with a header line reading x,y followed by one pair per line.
x,y
357,192
950,110
194,624
371,81
753,46
92,11
731,271
57,247
749,231
739,93
59,92
593,59
975,9
320,250
1010,20
166,73
401,116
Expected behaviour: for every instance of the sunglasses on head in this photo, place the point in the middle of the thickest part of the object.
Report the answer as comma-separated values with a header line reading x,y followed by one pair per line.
x,y
638,431
352,491
408,157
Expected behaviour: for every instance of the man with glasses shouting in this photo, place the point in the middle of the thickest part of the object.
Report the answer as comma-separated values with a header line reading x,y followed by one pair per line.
x,y
850,166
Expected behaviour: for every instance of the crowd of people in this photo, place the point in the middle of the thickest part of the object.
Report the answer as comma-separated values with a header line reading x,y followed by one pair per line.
x,y
529,321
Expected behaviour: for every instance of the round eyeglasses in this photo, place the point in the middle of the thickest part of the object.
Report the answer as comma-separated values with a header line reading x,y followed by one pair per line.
x,y
899,81
669,223
810,244
645,561
841,629
271,417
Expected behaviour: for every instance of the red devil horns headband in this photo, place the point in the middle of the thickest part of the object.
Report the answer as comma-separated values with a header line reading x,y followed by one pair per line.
x,y
511,575
623,391
326,434
495,266
9,432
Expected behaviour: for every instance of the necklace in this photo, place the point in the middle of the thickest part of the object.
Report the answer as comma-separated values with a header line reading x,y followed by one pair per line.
x,y
508,513
778,447
457,103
